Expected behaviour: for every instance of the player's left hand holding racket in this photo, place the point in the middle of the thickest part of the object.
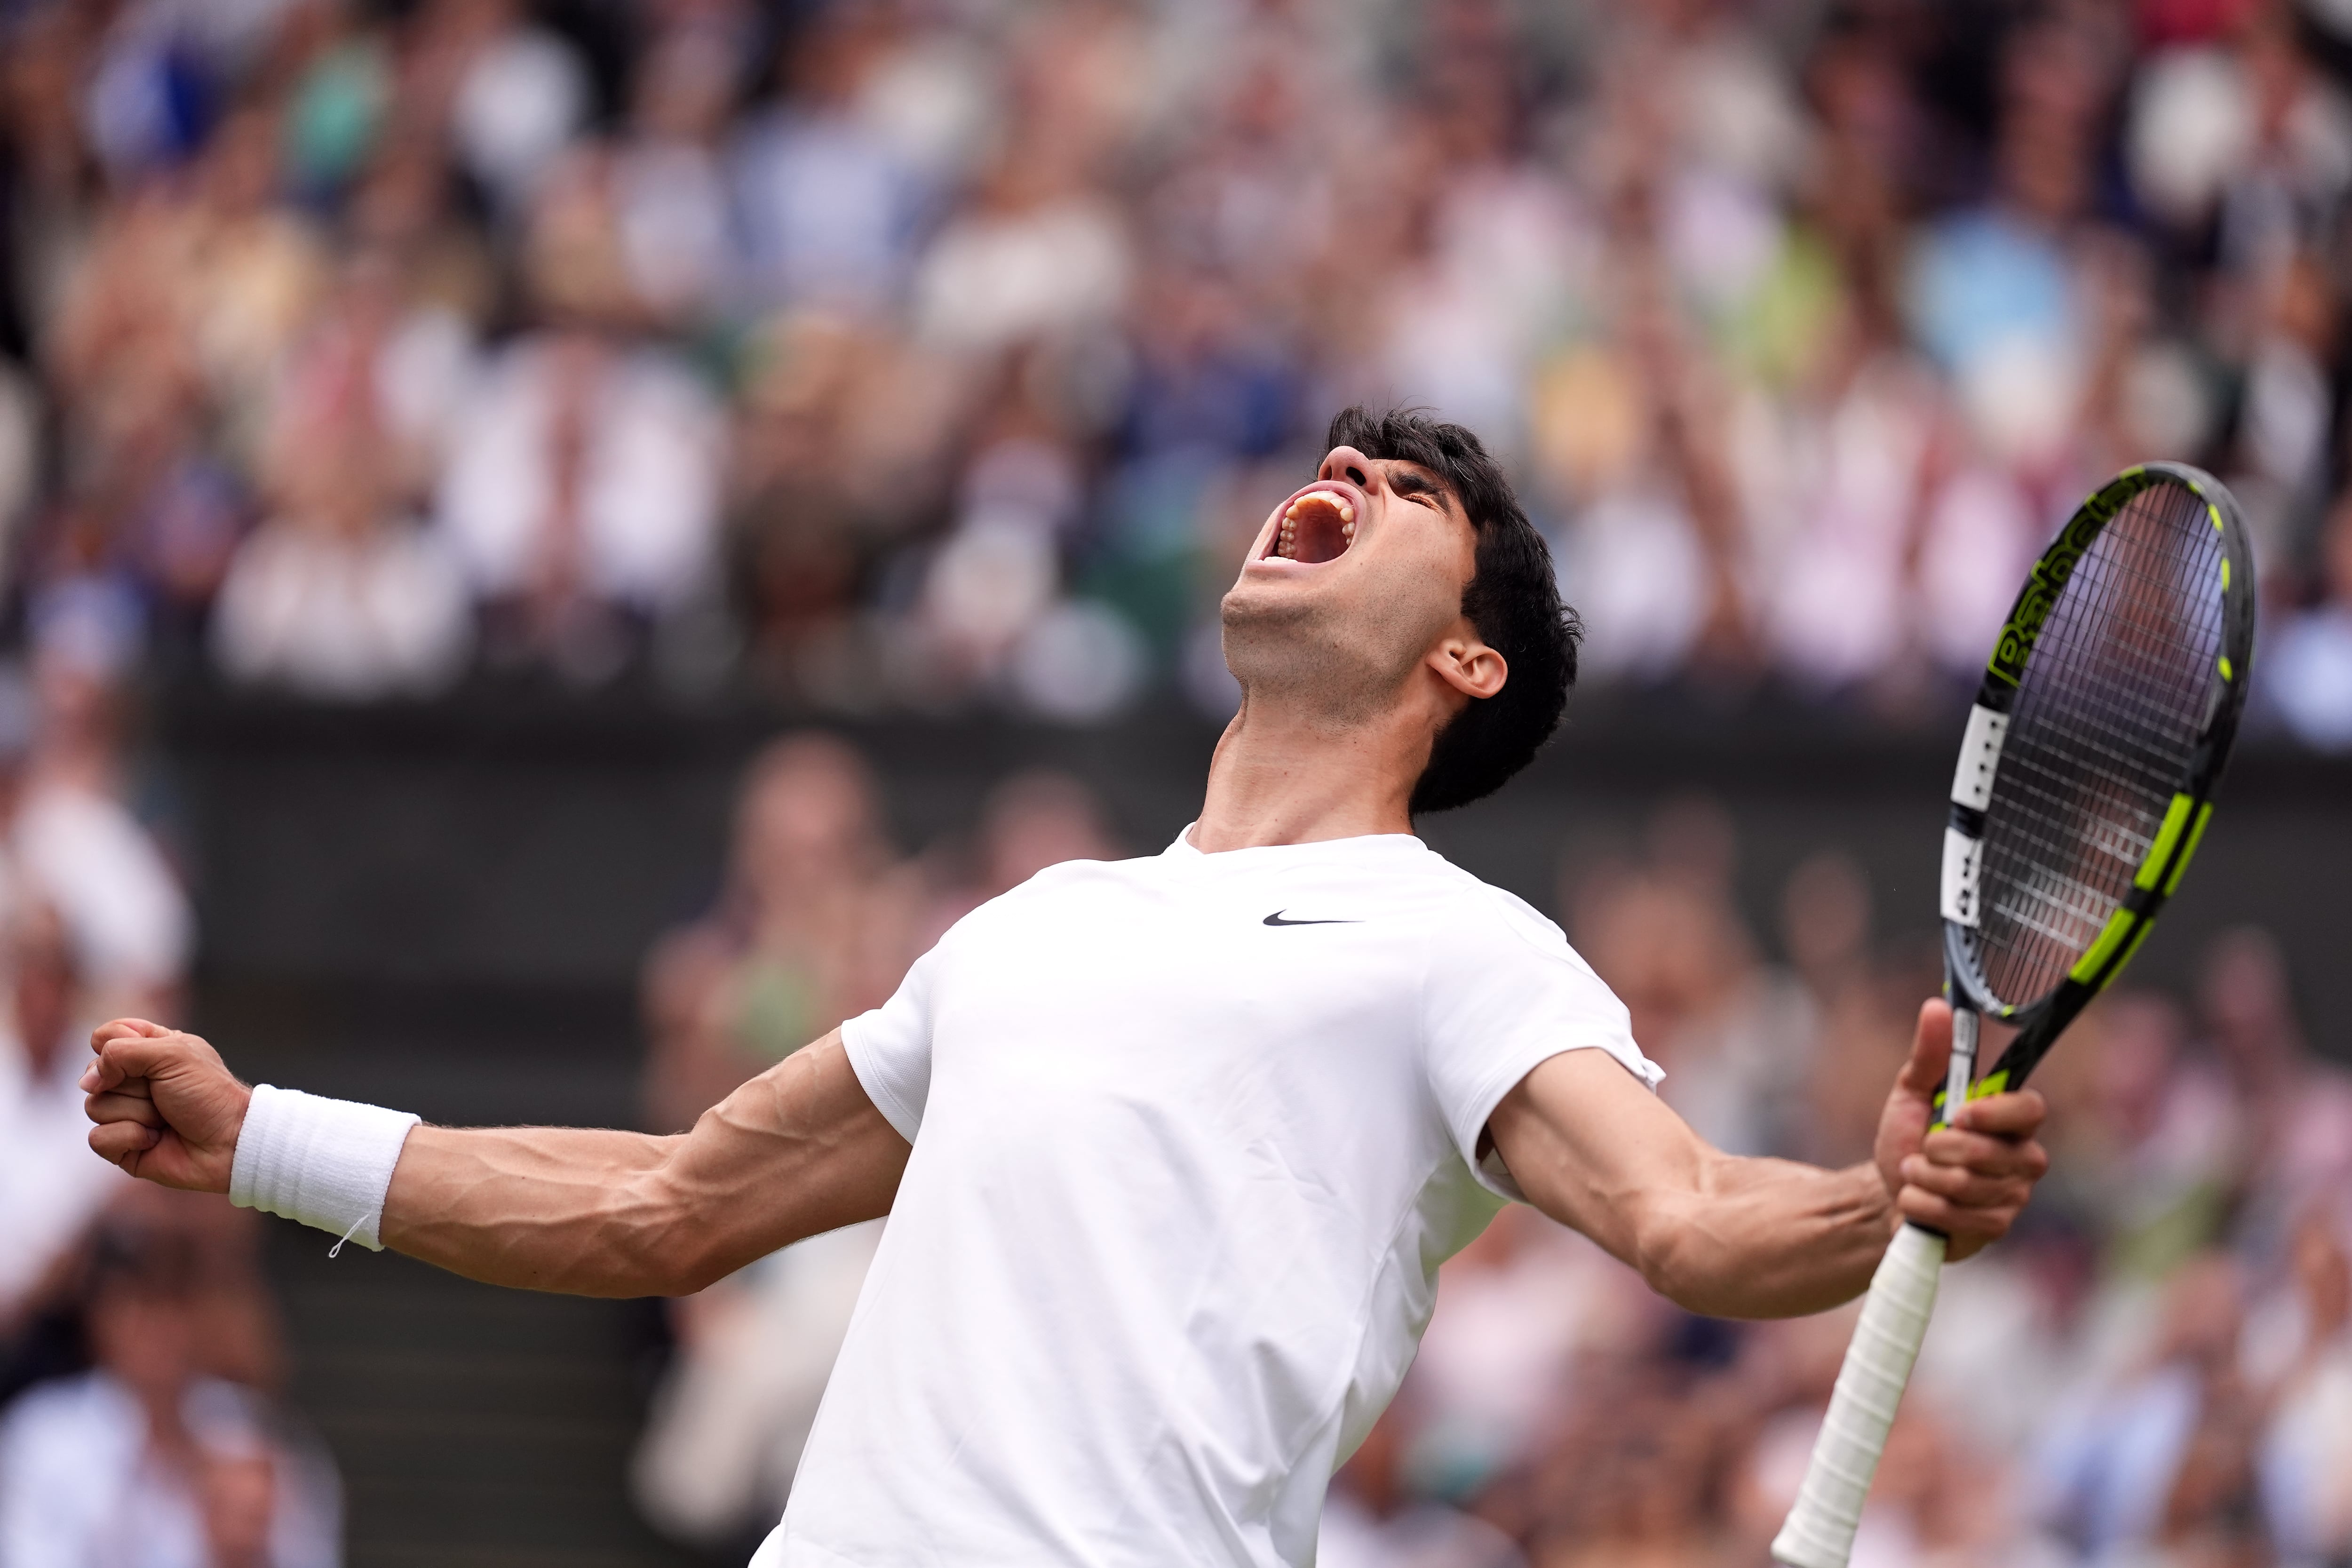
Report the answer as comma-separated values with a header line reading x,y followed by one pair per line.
x,y
2085,784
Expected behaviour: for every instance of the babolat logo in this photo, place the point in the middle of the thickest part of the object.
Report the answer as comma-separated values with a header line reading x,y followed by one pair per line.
x,y
2051,574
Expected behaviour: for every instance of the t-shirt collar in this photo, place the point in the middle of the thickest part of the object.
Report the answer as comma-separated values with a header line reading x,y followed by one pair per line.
x,y
1357,847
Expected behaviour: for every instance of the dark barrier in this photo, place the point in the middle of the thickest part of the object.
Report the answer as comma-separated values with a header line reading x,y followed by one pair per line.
x,y
502,840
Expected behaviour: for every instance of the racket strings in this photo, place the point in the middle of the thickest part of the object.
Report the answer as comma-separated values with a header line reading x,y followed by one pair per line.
x,y
2107,712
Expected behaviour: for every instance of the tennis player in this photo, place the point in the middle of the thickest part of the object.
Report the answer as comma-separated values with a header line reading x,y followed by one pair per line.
x,y
1171,1148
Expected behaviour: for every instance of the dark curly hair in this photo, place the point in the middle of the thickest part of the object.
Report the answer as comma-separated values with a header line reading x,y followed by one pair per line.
x,y
1513,599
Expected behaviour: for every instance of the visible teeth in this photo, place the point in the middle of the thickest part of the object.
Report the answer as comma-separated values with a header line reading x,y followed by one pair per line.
x,y
1339,504
1286,535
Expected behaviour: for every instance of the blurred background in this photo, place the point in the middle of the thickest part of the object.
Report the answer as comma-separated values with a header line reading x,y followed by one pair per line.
x,y
547,550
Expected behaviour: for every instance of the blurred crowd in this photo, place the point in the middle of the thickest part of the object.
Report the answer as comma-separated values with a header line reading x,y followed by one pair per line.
x,y
921,354
2154,1372
142,1357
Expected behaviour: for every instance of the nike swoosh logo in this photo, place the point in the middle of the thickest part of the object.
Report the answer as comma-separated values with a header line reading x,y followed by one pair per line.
x,y
1276,919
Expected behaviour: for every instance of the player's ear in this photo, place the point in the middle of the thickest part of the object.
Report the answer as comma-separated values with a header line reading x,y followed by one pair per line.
x,y
1464,661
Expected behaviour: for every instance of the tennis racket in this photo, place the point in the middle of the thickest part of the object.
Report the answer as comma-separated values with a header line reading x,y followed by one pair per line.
x,y
2085,782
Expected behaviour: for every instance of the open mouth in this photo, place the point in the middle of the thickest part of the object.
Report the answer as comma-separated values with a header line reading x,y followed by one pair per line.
x,y
1318,526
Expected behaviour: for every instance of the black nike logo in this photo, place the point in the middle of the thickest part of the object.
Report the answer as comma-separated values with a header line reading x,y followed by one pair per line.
x,y
1276,919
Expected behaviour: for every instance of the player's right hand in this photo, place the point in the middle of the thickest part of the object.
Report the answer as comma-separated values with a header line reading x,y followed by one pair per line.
x,y
168,1109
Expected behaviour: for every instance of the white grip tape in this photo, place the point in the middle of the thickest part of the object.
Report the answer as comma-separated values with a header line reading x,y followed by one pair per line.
x,y
1819,1530
324,1163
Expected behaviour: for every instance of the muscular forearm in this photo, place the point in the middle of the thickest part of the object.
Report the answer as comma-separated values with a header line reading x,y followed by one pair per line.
x,y
794,1151
1761,1239
543,1208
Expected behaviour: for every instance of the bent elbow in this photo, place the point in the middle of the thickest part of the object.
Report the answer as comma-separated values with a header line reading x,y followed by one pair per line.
x,y
691,1272
660,1250
1704,1277
1668,1270
1677,1259
1698,1292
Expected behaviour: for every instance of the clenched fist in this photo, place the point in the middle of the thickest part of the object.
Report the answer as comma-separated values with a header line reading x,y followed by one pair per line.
x,y
168,1109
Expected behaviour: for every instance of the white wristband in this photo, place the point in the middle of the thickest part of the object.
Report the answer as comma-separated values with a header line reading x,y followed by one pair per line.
x,y
325,1162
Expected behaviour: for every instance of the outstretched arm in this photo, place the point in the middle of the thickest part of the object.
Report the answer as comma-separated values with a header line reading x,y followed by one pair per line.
x,y
796,1150
1762,1238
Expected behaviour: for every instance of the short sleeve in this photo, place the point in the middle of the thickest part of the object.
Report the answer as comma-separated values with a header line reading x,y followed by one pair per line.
x,y
890,1048
1504,993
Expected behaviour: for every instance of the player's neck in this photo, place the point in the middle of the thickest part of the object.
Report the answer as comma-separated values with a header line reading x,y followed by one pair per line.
x,y
1282,775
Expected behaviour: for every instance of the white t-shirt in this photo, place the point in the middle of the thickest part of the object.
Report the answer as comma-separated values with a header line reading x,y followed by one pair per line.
x,y
1191,1135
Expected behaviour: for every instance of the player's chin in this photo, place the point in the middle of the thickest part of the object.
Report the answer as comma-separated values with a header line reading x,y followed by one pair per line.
x,y
1274,575
1271,605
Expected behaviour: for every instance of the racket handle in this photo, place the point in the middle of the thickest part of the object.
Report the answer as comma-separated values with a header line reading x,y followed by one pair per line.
x,y
1819,1530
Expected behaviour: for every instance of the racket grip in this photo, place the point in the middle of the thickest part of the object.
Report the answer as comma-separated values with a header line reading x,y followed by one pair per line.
x,y
1820,1529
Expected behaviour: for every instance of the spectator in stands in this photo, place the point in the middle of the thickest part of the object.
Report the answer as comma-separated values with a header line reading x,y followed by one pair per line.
x,y
1031,821
2162,1457
669,194
69,836
1825,925
1495,1368
339,594
404,205
150,509
1634,1476
830,211
720,1447
147,1458
2156,1146
2297,1108
385,364
1039,251
2307,668
2306,1452
812,926
816,925
50,1188
841,449
582,493
259,270
1374,1518
510,92
1669,938
54,192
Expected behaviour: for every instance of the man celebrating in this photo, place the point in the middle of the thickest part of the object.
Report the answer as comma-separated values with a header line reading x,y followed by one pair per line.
x,y
1172,1148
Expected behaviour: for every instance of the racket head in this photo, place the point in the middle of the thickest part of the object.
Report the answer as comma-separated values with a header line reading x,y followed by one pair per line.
x,y
2094,749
